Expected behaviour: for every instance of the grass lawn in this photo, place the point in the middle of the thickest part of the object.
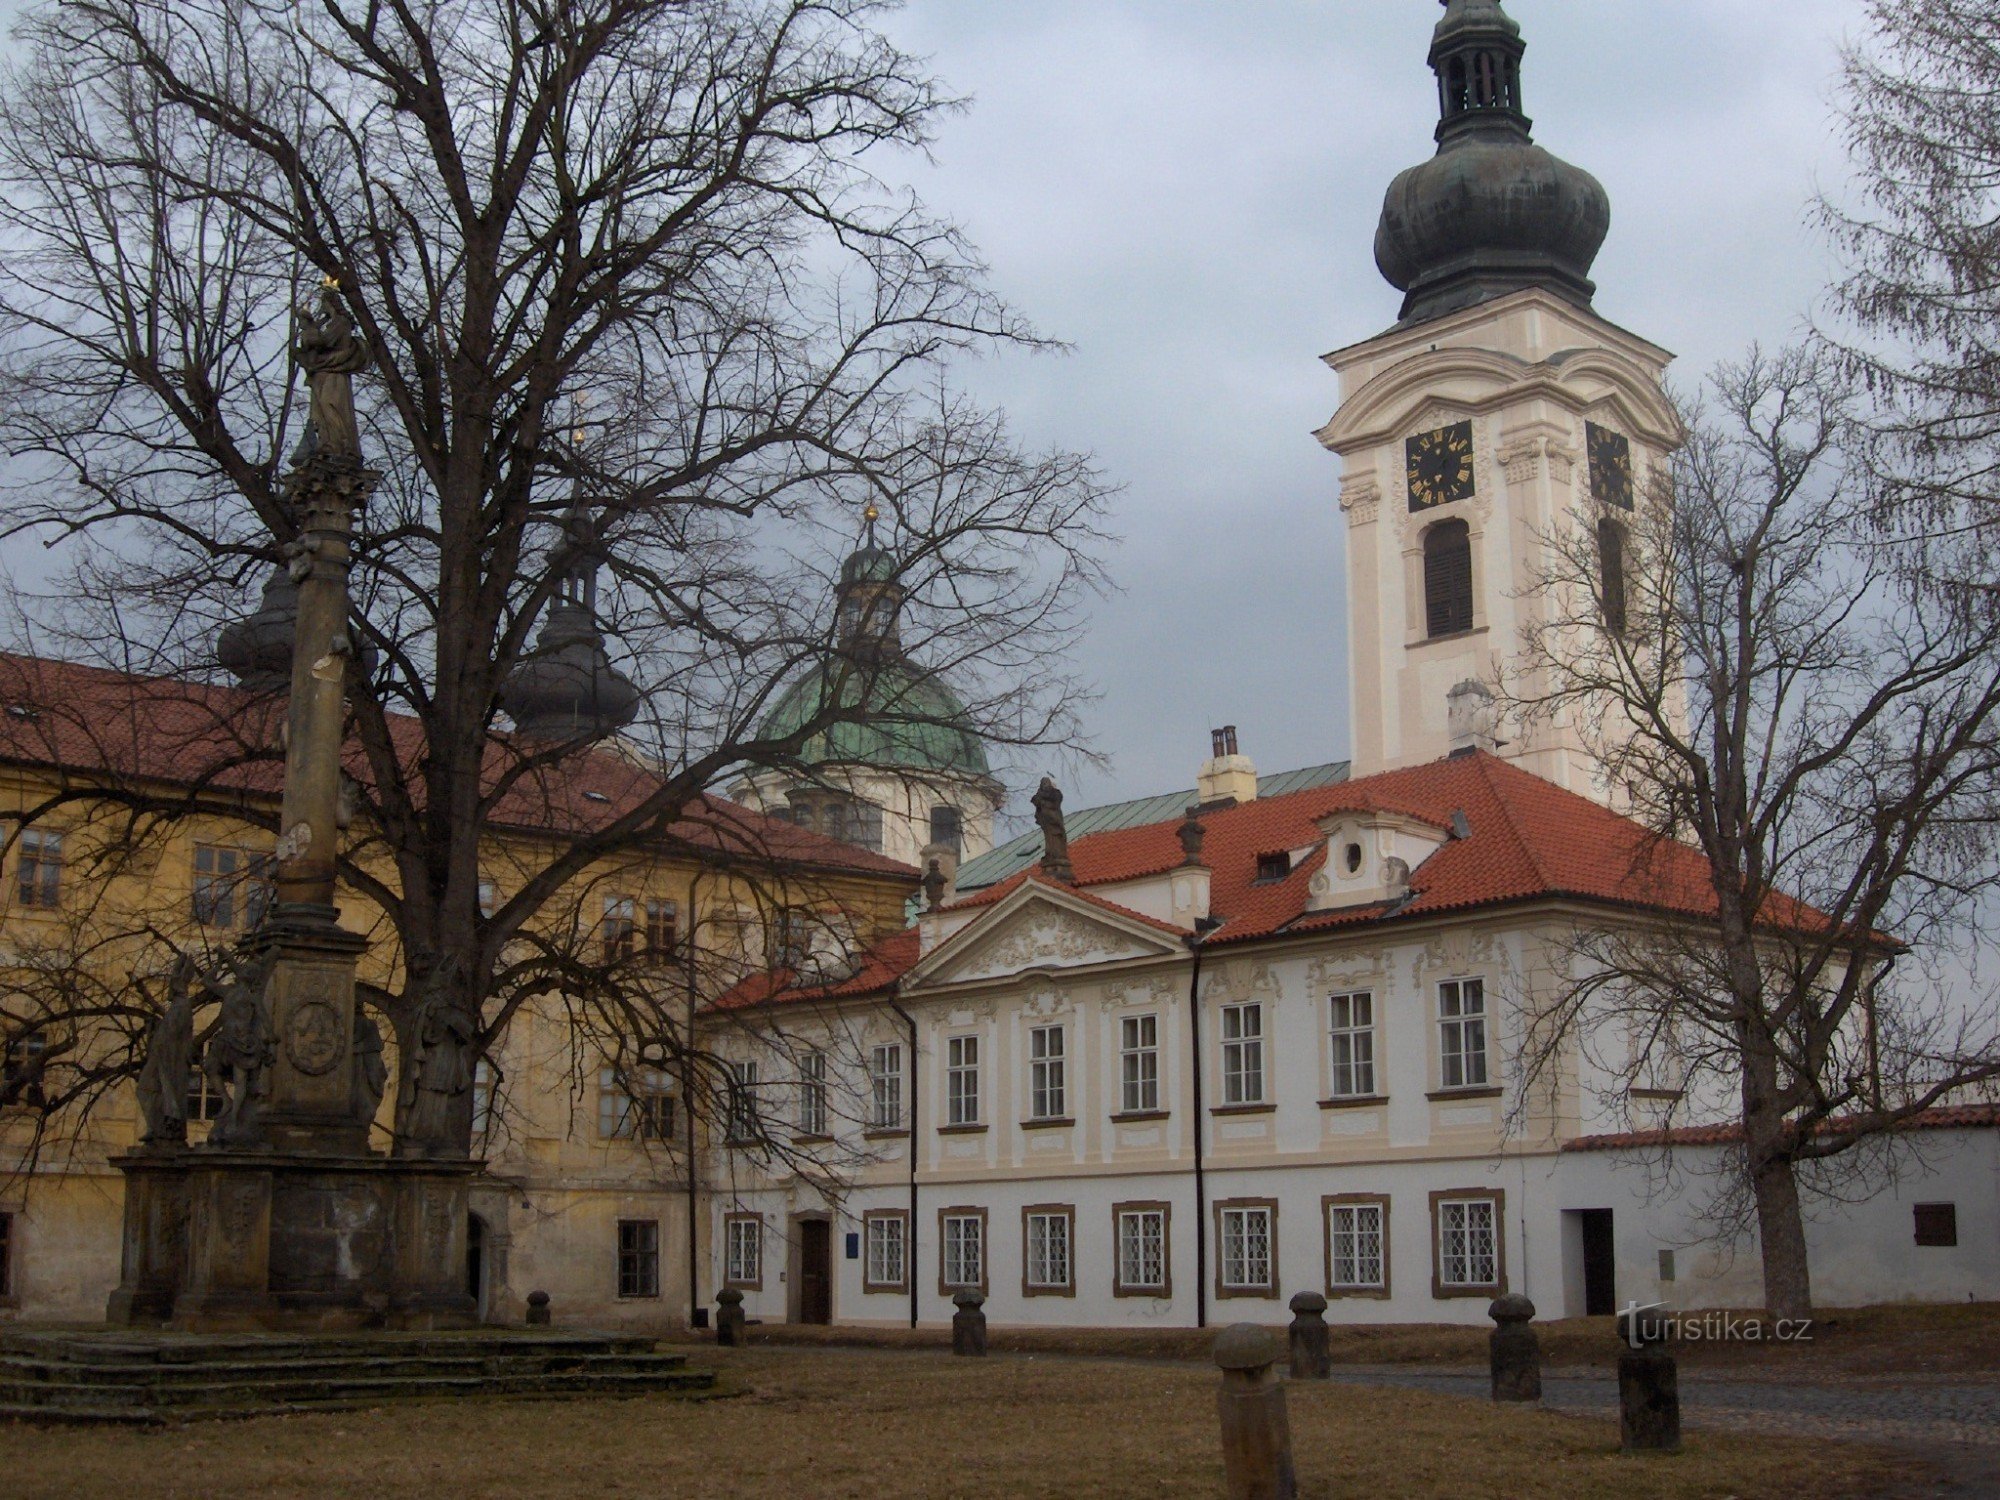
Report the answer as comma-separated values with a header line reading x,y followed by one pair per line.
x,y
888,1423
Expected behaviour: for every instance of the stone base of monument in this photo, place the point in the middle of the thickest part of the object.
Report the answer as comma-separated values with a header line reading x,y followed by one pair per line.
x,y
153,1378
225,1240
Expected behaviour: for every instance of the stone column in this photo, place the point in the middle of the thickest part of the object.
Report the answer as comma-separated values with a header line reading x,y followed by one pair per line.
x,y
1256,1432
1311,1359
1514,1349
968,1324
1649,1392
729,1317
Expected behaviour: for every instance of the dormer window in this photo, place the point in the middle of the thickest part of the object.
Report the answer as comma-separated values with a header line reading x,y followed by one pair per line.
x,y
1271,867
1370,855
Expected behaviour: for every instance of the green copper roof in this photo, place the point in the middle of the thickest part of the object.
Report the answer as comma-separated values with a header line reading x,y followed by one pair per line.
x,y
914,721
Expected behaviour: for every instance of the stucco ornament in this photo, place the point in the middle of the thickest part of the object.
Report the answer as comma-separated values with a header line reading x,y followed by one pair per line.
x,y
1046,935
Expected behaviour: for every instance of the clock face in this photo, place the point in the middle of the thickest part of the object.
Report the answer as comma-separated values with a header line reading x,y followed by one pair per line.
x,y
1439,466
1610,465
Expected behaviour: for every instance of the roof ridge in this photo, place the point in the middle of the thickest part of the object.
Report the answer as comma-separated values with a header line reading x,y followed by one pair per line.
x,y
1486,762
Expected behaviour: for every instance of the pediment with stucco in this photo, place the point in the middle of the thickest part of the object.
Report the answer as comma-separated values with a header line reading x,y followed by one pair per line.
x,y
1038,934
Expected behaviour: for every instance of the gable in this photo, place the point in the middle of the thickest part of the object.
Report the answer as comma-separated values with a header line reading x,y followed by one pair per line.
x,y
1038,932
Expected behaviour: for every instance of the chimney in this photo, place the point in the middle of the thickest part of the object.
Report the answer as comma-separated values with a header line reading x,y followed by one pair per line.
x,y
1471,719
1227,777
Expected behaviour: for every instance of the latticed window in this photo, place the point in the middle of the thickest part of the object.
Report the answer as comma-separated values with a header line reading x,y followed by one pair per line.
x,y
1142,1250
1047,1091
1462,1033
1353,1044
1139,1064
1468,1247
638,1258
887,1250
1246,1248
743,1250
1243,1054
1447,578
964,1250
39,868
812,1094
961,1077
1049,1249
885,1087
1354,1246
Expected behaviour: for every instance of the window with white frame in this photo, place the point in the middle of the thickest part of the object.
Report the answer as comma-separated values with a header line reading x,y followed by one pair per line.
x,y
1049,1234
1356,1248
961,1080
632,1104
886,1268
743,1122
743,1250
1047,1084
619,932
1246,1247
964,1243
1462,1033
812,1094
1353,1044
1468,1243
885,1087
1142,1250
38,869
1139,1064
1243,1054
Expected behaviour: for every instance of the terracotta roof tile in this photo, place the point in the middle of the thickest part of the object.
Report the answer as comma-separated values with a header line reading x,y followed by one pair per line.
x,y
1943,1117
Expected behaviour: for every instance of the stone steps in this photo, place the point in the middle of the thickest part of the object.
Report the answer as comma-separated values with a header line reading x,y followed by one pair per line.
x,y
92,1378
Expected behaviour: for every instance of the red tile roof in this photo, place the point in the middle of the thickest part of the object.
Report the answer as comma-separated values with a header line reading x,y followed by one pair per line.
x,y
1943,1117
111,726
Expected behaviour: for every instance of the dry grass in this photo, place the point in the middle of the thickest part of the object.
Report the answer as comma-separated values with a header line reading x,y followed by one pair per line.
x,y
901,1423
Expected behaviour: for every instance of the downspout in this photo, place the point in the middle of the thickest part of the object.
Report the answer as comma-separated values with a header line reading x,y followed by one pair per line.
x,y
910,1236
1202,928
695,1308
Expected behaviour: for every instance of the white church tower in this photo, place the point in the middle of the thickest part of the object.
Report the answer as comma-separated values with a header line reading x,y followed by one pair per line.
x,y
1499,413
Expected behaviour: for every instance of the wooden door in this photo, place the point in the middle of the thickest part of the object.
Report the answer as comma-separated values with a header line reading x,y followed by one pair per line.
x,y
815,1271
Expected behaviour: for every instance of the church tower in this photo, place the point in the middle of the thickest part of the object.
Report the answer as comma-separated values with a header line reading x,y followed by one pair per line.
x,y
1499,414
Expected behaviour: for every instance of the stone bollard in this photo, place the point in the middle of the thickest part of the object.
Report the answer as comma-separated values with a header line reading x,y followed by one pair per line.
x,y
538,1309
1514,1349
729,1317
968,1324
1649,1386
1256,1434
1311,1359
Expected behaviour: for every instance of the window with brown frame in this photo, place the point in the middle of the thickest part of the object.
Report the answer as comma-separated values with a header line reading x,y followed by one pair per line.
x,y
743,1251
1936,1224
885,1248
1468,1243
1246,1242
962,1264
1048,1250
1144,1265
1357,1244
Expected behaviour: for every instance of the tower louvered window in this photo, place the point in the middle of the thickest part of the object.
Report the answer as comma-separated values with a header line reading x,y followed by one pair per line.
x,y
1447,578
1611,574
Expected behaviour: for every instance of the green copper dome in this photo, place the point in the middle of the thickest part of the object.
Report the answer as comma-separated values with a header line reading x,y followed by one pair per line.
x,y
914,722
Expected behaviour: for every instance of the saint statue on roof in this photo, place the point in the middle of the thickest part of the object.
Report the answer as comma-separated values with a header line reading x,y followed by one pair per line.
x,y
1047,802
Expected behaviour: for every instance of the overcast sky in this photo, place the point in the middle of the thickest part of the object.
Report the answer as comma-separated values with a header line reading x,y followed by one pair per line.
x,y
1186,191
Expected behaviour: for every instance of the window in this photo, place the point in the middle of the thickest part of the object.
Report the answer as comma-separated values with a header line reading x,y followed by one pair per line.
x,y
812,1094
489,898
1447,578
947,828
482,1099
962,1080
1243,1054
22,1071
204,1100
962,1236
887,1250
1046,1083
1048,1232
1353,1042
743,1251
793,941
1142,1269
6,1255
885,1087
632,1104
231,887
1937,1224
1139,1064
620,929
1462,1033
744,1126
1468,1243
1248,1265
638,1257
1272,867
1357,1247
663,928
1611,574
39,868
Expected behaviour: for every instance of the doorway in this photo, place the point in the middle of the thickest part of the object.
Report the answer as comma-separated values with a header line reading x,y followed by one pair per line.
x,y
475,1263
1600,1263
815,1271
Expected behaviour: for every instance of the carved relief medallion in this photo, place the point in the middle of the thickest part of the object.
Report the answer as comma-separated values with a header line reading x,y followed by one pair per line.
x,y
313,1038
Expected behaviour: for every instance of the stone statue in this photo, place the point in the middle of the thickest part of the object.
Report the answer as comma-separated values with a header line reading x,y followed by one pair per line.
x,y
238,1054
1047,803
934,883
442,1076
371,1074
1191,834
163,1076
331,353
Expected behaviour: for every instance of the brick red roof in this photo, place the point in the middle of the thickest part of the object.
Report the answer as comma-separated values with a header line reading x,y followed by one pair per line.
x,y
108,726
1943,1117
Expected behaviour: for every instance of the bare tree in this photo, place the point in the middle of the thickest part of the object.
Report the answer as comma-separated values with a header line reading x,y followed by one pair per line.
x,y
1812,729
645,305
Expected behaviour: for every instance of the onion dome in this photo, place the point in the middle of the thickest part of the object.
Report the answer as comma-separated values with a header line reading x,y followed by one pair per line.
x,y
257,649
566,688
1492,212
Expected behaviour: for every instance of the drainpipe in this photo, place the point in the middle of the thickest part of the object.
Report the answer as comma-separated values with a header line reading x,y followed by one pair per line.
x,y
687,1101
1202,928
910,1236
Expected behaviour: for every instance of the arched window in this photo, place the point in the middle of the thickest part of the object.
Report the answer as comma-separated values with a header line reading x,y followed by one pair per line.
x,y
1447,578
1611,574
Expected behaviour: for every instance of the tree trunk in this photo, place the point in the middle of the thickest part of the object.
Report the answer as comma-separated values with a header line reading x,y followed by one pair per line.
x,y
1781,1233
